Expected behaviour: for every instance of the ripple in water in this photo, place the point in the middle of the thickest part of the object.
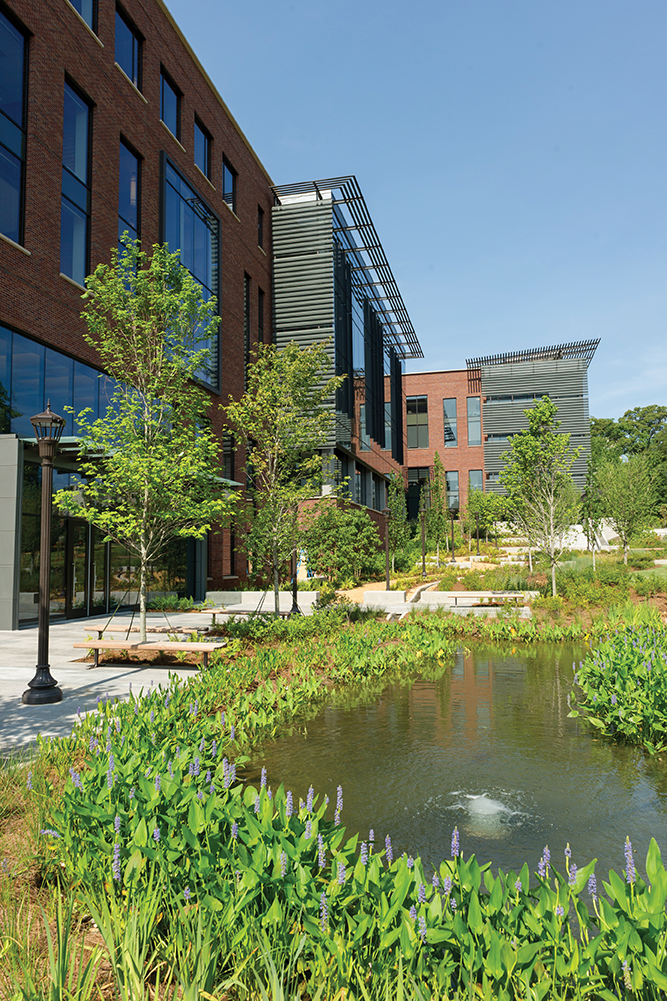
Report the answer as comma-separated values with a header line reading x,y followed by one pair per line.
x,y
495,814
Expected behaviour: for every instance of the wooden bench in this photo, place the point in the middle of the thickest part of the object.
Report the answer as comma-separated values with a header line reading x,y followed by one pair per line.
x,y
163,630
166,647
229,610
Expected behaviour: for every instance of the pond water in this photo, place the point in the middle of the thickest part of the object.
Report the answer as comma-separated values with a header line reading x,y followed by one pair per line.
x,y
487,747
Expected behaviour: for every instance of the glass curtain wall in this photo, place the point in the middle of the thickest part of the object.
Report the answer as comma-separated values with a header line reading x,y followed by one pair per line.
x,y
12,129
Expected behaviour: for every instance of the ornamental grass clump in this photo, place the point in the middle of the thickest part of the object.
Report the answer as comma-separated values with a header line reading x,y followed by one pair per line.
x,y
621,687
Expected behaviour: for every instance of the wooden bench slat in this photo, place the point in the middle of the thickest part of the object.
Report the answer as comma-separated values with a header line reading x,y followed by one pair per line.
x,y
203,648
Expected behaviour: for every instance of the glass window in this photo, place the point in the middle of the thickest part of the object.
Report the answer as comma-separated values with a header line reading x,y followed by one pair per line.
x,y
449,423
88,11
417,421
260,226
12,129
27,384
75,202
260,315
128,48
128,193
364,437
229,184
452,481
202,149
170,106
387,425
191,228
86,389
474,421
476,479
58,383
5,379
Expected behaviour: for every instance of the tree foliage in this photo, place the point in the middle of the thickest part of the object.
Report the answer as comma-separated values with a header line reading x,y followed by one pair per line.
x,y
150,464
626,492
280,422
399,530
342,542
436,513
539,486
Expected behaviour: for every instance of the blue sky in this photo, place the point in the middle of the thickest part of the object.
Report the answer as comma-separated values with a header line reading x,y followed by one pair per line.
x,y
513,155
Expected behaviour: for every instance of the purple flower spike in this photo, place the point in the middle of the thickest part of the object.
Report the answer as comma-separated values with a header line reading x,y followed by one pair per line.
x,y
421,895
410,862
452,904
289,804
283,863
339,799
573,874
558,911
116,862
186,894
341,873
435,881
422,928
614,700
235,832
456,843
308,833
263,781
158,783
232,733
116,824
202,746
309,800
592,886
324,912
156,834
257,802
388,850
413,912
363,853
630,871
371,836
447,885
195,767
214,749
321,851
518,886
568,851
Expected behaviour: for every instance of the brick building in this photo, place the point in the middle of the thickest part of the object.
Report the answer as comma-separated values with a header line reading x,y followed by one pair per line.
x,y
109,124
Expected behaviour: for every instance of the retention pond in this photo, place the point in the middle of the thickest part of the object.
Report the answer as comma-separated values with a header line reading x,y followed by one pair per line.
x,y
487,747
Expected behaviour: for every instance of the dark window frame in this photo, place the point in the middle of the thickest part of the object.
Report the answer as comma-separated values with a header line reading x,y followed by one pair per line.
x,y
139,39
423,398
229,197
73,85
209,143
131,149
449,423
260,314
93,26
260,227
27,35
166,77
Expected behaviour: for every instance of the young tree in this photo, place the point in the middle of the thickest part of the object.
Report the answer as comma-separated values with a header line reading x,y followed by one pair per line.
x,y
280,422
626,493
150,464
539,486
342,542
592,512
399,531
436,514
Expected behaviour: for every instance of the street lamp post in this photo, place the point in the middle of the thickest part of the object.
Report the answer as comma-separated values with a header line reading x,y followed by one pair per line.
x,y
295,610
43,689
453,511
387,515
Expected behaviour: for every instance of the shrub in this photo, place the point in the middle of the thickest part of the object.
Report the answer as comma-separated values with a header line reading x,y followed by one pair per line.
x,y
343,544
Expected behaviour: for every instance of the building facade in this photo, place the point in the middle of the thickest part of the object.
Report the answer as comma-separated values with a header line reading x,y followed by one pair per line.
x,y
469,415
333,285
109,125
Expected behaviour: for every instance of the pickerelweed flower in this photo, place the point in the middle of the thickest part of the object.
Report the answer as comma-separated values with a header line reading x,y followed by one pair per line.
x,y
28,784
435,881
232,733
452,904
186,894
410,862
630,871
158,783
363,853
195,767
421,894
222,719
339,799
371,839
207,777
413,912
132,791
422,928
388,850
214,749
558,911
517,886
200,795
152,715
202,746
235,830
76,779
308,833
573,874
456,843
116,824
156,834
341,873
447,885
614,700
170,769
592,886
568,851
310,799
289,804
324,912
269,794
283,863
49,832
115,865
321,852
263,779
627,979
257,802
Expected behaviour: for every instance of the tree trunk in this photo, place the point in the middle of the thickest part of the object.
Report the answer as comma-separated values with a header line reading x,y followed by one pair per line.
x,y
530,558
393,558
593,557
553,579
625,552
142,597
276,581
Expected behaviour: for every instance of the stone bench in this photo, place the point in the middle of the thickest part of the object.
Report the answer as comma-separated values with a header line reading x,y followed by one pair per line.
x,y
166,647
470,598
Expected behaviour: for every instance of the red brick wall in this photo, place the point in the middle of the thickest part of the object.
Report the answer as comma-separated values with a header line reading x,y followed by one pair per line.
x,y
34,298
439,386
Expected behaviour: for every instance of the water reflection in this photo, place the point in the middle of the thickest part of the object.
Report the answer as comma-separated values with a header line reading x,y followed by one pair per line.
x,y
487,746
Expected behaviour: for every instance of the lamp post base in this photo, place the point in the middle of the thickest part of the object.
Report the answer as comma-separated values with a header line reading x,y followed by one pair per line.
x,y
43,690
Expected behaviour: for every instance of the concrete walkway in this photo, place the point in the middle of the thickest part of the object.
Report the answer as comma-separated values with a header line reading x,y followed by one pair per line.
x,y
82,687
